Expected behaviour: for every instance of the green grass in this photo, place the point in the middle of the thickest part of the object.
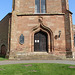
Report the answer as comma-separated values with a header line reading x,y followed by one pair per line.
x,y
37,69
3,58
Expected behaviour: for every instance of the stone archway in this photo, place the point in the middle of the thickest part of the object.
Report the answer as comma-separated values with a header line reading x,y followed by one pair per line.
x,y
50,37
3,50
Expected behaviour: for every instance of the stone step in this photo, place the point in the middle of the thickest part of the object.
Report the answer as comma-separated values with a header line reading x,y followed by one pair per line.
x,y
38,57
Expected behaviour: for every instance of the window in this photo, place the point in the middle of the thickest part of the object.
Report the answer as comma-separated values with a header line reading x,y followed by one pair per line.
x,y
74,40
40,6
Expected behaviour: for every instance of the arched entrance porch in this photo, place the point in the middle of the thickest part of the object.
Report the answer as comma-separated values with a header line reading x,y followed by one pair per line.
x,y
48,36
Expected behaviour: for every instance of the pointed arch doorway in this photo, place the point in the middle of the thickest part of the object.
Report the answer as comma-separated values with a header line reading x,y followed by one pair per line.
x,y
40,42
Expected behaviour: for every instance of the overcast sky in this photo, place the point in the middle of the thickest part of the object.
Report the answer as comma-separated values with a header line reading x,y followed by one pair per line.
x,y
6,7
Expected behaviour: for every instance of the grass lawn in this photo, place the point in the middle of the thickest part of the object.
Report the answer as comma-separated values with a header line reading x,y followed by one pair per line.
x,y
37,69
3,58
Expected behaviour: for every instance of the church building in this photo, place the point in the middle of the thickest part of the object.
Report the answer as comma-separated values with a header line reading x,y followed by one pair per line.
x,y
37,27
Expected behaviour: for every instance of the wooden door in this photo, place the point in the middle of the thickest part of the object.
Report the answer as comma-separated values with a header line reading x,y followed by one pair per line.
x,y
40,41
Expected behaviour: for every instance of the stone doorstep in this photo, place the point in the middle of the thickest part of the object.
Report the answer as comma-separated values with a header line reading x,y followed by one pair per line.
x,y
38,56
33,53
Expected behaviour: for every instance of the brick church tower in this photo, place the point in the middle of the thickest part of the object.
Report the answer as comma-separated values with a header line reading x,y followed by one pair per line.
x,y
40,26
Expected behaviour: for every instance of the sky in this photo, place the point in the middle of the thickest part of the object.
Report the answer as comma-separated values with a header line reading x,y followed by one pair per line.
x,y
6,7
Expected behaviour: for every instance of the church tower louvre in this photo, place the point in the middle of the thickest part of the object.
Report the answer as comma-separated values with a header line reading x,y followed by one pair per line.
x,y
40,27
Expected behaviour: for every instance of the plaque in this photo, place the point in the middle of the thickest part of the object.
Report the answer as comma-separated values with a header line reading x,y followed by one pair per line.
x,y
21,40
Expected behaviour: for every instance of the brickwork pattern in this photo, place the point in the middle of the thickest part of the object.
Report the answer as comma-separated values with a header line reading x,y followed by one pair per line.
x,y
25,21
4,27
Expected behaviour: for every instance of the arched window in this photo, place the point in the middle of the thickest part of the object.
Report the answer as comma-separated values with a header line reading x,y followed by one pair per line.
x,y
40,6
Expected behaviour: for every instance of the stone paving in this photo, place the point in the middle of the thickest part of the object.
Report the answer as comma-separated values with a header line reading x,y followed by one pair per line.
x,y
36,61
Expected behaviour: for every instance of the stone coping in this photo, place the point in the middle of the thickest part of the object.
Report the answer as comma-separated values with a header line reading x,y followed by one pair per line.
x,y
42,14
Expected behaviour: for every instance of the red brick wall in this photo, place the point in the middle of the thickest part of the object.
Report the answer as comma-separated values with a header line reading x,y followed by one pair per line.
x,y
67,5
23,22
72,33
69,32
4,26
52,6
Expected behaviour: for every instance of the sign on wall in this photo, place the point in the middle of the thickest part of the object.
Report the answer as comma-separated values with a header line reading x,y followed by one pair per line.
x,y
36,41
21,39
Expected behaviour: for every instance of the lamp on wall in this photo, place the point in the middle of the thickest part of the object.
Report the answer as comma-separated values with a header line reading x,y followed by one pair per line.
x,y
59,33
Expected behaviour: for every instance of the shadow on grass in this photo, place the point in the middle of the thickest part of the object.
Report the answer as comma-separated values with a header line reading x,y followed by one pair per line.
x,y
2,58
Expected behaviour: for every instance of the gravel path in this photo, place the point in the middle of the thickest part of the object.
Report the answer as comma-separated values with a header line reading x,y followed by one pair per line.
x,y
36,61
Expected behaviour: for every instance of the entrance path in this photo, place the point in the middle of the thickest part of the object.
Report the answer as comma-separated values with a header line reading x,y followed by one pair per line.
x,y
36,61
